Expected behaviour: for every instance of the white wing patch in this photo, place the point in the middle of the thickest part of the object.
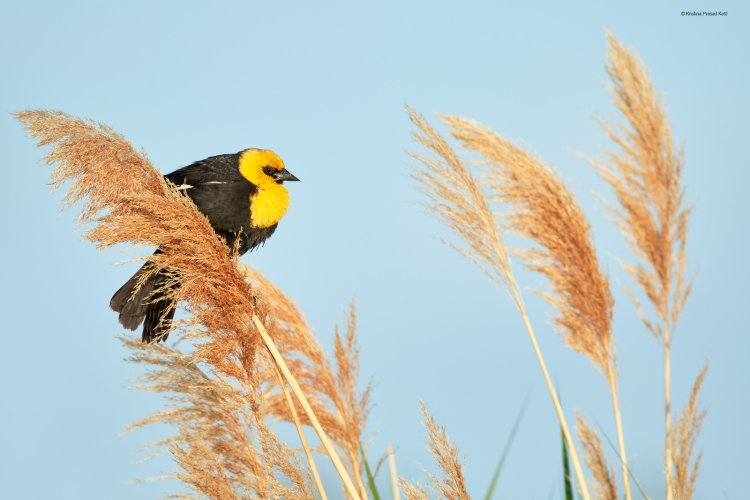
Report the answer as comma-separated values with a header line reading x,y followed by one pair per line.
x,y
185,186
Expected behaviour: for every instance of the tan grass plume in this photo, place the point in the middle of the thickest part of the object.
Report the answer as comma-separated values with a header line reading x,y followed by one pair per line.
x,y
683,439
645,172
452,486
223,446
413,491
460,202
605,483
545,211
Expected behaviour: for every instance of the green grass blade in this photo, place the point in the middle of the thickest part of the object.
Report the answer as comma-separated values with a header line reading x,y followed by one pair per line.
x,y
370,477
566,468
506,450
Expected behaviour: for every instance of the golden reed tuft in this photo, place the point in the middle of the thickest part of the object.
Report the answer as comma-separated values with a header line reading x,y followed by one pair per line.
x,y
461,203
453,484
544,211
224,447
645,172
605,483
682,439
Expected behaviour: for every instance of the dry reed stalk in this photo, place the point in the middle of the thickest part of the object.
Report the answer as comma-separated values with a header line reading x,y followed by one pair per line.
x,y
391,457
126,200
546,212
292,381
302,438
684,435
645,174
604,474
445,453
332,393
460,203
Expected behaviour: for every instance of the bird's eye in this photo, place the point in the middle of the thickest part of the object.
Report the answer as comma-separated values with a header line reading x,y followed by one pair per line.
x,y
269,171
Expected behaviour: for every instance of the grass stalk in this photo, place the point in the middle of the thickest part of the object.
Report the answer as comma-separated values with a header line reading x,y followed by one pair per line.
x,y
391,457
281,364
516,295
358,474
667,411
555,399
620,435
302,438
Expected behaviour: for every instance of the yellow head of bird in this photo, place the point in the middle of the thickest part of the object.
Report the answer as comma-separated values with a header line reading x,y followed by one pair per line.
x,y
264,169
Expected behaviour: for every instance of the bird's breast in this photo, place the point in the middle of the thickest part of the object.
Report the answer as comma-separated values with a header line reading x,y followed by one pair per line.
x,y
268,206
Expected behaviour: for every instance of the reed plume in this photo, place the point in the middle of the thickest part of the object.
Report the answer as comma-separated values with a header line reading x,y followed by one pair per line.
x,y
453,485
414,491
223,446
605,484
682,439
544,211
645,173
460,202
125,200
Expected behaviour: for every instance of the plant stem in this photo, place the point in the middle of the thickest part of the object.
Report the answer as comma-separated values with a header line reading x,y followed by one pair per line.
x,y
611,378
302,438
394,474
348,484
667,412
358,476
555,400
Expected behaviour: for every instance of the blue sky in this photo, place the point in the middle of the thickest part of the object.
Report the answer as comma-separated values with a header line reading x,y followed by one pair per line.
x,y
324,86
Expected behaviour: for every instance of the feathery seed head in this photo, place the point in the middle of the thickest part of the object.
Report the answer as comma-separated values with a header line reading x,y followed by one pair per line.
x,y
605,483
546,212
645,173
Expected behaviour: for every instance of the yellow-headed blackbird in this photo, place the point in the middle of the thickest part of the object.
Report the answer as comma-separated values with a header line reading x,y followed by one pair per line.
x,y
243,197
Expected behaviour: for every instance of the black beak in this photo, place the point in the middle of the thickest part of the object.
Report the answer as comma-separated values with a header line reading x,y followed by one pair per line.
x,y
284,175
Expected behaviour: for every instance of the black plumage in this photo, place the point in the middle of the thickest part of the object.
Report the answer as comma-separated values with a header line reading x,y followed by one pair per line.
x,y
220,191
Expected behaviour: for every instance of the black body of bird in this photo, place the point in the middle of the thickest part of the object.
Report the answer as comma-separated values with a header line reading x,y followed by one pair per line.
x,y
243,197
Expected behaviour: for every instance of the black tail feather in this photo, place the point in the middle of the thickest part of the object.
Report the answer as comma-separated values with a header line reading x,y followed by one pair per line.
x,y
141,305
159,314
131,302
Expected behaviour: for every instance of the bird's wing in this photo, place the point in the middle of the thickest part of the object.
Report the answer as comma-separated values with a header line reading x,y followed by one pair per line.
x,y
210,171
218,190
